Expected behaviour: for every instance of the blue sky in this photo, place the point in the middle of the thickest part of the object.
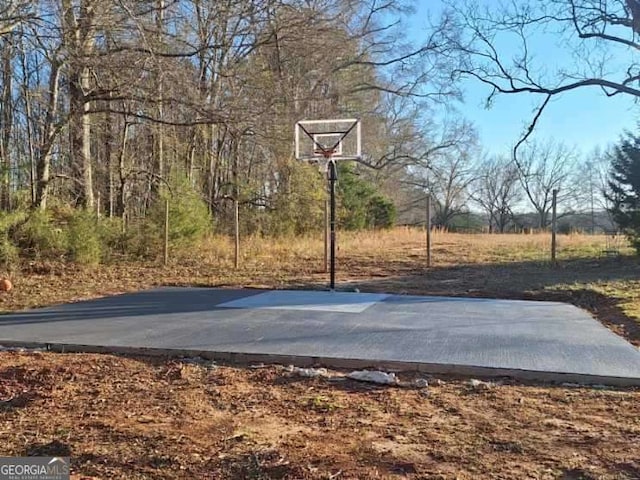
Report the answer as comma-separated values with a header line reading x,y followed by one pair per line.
x,y
583,118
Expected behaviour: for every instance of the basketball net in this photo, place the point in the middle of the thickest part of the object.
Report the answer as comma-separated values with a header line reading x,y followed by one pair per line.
x,y
327,154
323,164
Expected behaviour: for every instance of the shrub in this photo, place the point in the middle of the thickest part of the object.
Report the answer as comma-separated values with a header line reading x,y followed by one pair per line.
x,y
565,228
361,206
381,212
353,194
10,220
9,254
143,238
84,243
39,236
189,221
298,206
112,238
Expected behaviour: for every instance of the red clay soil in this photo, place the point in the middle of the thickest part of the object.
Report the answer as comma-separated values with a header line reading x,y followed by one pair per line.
x,y
139,418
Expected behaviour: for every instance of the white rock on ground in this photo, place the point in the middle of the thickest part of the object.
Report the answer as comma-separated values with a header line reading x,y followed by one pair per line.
x,y
309,372
203,362
479,384
374,377
420,383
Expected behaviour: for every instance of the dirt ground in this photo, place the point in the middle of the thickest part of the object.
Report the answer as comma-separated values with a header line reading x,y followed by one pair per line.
x,y
138,418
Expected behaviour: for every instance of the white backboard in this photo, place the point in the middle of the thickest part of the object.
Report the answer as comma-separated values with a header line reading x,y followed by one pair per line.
x,y
339,138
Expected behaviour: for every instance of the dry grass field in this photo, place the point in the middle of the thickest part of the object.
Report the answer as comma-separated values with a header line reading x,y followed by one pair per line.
x,y
135,418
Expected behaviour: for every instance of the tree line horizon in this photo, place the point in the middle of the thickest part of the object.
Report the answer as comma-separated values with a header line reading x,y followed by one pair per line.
x,y
112,105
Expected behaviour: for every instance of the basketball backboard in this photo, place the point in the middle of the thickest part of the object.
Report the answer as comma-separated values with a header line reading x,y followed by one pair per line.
x,y
336,139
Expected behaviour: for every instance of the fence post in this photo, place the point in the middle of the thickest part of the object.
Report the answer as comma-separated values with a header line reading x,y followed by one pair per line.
x,y
166,232
554,225
236,232
428,222
326,234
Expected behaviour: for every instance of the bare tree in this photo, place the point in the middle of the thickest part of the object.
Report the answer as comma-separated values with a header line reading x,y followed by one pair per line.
x,y
419,156
496,190
447,174
492,42
106,101
543,168
79,24
593,187
41,65
13,13
6,119
452,175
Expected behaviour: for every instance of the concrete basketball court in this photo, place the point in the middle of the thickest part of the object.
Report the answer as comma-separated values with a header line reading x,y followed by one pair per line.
x,y
467,336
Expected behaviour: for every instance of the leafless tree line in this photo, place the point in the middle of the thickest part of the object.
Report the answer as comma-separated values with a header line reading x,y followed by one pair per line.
x,y
590,44
512,195
105,102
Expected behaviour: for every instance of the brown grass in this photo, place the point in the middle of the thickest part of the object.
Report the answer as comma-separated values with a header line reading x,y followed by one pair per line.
x,y
448,248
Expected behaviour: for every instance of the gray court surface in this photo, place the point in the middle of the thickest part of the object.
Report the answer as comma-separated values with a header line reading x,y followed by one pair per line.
x,y
531,340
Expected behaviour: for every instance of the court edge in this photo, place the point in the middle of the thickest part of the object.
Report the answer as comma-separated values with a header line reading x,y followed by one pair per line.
x,y
238,358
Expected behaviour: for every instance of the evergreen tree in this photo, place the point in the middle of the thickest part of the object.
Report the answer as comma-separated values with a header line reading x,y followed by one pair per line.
x,y
361,205
624,188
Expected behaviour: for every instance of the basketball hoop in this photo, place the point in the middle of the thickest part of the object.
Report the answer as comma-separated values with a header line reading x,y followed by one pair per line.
x,y
322,159
326,154
336,139
325,142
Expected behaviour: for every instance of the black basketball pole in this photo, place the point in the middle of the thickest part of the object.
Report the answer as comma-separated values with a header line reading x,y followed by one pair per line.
x,y
332,194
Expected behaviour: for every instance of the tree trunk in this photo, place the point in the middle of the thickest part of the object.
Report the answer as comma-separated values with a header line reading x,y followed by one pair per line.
x,y
542,216
160,128
7,124
80,138
191,156
32,157
122,197
79,40
214,153
43,165
108,153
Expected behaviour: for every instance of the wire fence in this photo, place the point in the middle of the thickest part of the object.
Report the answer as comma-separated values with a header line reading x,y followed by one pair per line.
x,y
427,246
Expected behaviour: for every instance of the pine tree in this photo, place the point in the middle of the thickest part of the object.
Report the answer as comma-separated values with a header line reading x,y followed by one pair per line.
x,y
624,188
